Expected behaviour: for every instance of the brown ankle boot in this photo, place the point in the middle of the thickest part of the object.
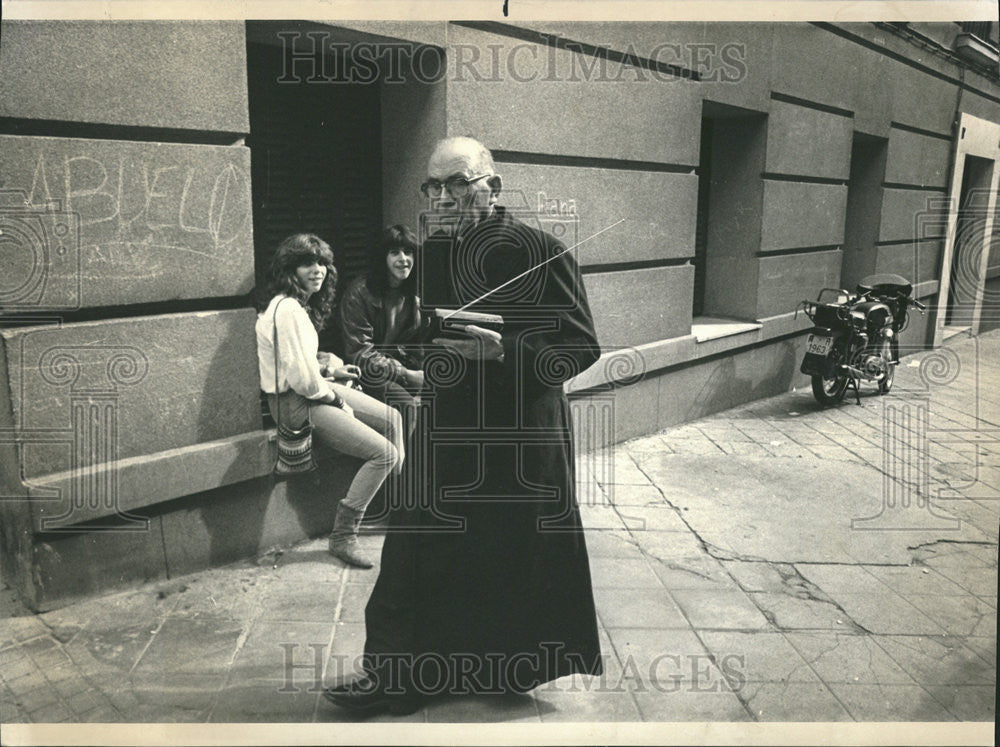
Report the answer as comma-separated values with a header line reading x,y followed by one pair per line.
x,y
344,537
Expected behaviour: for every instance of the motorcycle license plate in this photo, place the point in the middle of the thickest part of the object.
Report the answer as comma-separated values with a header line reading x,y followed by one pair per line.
x,y
819,344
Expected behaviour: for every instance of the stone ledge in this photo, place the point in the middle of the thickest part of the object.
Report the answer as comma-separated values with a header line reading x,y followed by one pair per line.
x,y
628,364
146,480
926,288
625,365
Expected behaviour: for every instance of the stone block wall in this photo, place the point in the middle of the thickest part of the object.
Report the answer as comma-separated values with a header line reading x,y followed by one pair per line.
x,y
126,350
124,193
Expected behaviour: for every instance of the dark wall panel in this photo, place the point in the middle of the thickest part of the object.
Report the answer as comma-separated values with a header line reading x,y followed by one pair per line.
x,y
718,384
808,142
737,69
640,306
103,222
785,281
802,214
187,75
421,32
917,159
659,209
170,381
568,115
864,209
917,262
912,91
78,566
980,106
413,118
943,33
732,223
813,64
733,59
911,213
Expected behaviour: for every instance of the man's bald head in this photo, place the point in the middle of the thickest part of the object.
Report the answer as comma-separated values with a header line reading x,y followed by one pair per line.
x,y
467,164
470,152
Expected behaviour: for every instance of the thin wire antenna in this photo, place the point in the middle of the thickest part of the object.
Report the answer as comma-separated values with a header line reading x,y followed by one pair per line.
x,y
532,269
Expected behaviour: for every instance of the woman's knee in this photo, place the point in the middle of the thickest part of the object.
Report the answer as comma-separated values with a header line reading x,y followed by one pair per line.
x,y
388,457
395,422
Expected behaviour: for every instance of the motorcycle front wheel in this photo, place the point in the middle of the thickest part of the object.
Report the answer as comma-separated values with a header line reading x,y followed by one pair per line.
x,y
829,390
890,356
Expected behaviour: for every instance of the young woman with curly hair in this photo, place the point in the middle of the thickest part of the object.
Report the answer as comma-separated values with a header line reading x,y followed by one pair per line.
x,y
299,302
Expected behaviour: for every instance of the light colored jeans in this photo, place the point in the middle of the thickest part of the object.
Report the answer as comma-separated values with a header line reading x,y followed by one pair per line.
x,y
399,398
374,433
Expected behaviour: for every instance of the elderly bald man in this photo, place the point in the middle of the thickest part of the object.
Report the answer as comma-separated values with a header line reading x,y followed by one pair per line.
x,y
485,586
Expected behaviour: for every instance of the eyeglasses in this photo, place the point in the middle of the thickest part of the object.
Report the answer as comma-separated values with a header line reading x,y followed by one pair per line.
x,y
457,186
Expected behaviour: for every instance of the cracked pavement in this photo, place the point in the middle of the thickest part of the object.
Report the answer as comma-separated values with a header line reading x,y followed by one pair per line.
x,y
774,562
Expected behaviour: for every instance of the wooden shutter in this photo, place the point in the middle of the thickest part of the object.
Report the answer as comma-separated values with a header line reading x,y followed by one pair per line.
x,y
316,162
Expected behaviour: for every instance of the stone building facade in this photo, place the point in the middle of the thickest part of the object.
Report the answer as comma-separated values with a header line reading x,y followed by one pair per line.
x,y
715,173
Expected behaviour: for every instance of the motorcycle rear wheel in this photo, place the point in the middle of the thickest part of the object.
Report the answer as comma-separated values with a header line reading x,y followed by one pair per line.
x,y
829,390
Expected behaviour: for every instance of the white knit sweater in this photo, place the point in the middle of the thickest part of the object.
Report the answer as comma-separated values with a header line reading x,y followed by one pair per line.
x,y
298,349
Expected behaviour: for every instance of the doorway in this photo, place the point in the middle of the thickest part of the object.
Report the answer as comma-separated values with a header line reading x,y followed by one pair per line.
x,y
316,152
970,237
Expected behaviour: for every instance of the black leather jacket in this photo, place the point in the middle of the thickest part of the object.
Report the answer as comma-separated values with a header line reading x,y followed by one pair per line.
x,y
363,330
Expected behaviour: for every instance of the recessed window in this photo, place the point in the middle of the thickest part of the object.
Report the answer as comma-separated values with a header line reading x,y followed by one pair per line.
x,y
863,215
728,228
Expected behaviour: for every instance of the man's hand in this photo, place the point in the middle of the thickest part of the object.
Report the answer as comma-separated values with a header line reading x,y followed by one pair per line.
x,y
484,344
413,379
346,375
333,398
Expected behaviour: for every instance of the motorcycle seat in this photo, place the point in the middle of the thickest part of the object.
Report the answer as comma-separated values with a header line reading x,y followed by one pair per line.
x,y
886,283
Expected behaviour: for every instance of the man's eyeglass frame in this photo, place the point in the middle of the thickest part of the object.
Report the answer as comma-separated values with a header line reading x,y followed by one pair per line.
x,y
457,186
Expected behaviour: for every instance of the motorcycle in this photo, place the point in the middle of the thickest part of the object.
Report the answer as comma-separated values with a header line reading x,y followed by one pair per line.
x,y
856,337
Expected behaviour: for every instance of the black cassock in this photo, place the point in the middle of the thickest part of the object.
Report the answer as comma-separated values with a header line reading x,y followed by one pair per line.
x,y
486,583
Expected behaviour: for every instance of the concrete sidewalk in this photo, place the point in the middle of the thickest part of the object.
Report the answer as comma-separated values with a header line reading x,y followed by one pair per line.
x,y
776,562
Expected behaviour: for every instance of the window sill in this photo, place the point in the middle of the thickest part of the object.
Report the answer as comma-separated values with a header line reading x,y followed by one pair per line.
x,y
705,328
950,331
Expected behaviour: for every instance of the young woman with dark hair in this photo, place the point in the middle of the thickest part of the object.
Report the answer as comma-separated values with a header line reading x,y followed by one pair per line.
x,y
297,305
380,323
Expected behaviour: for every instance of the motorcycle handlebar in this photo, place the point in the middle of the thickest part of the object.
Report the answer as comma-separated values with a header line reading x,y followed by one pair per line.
x,y
917,303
